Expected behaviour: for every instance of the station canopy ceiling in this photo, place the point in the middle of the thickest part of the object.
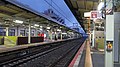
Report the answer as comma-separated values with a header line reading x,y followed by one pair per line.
x,y
10,12
78,7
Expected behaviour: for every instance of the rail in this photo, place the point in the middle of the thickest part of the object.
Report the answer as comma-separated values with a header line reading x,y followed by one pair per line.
x,y
18,56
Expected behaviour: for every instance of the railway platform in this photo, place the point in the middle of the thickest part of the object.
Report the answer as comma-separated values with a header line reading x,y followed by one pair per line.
x,y
42,33
51,54
88,57
84,57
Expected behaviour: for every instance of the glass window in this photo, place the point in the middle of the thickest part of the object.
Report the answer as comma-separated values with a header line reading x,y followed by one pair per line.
x,y
2,32
22,32
12,32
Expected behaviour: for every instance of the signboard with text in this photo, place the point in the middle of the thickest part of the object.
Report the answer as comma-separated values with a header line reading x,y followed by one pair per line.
x,y
94,14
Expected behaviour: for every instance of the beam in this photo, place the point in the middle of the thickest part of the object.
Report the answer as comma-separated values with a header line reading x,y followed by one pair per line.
x,y
6,12
19,14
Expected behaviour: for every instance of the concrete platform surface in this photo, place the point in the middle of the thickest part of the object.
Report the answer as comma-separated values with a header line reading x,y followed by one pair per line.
x,y
98,59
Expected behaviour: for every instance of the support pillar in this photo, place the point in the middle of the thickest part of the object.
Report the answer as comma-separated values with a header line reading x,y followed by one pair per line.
x,y
36,34
7,31
93,36
109,31
51,35
29,34
61,35
17,32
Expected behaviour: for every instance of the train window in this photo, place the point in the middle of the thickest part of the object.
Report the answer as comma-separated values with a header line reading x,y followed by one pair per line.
x,y
33,33
12,32
22,32
2,32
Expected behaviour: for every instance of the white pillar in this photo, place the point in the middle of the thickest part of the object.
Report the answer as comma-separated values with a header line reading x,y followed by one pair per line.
x,y
7,31
29,34
50,34
93,38
36,32
109,38
17,31
61,35
109,31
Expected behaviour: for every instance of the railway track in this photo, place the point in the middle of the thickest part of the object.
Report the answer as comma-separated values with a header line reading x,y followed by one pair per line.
x,y
52,56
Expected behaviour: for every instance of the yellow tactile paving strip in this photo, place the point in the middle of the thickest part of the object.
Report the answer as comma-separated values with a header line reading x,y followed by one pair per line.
x,y
88,60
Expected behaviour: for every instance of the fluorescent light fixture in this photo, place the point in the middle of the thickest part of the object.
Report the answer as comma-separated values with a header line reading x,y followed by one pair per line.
x,y
58,30
18,21
87,14
41,29
36,25
64,33
100,6
48,27
32,26
41,26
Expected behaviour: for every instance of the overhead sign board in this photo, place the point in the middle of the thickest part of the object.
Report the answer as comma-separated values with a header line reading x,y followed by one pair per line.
x,y
94,14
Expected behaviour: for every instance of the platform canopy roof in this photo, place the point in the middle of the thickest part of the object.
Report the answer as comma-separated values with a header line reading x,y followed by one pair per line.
x,y
11,10
78,7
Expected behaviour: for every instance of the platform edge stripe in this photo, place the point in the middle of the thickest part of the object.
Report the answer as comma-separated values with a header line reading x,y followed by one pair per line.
x,y
76,56
79,57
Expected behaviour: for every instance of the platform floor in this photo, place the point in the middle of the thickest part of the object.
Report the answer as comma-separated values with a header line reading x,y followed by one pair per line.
x,y
98,58
117,65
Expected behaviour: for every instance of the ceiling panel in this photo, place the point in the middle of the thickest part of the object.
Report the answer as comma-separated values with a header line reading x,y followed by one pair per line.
x,y
89,5
14,8
4,15
95,5
74,4
81,4
4,8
